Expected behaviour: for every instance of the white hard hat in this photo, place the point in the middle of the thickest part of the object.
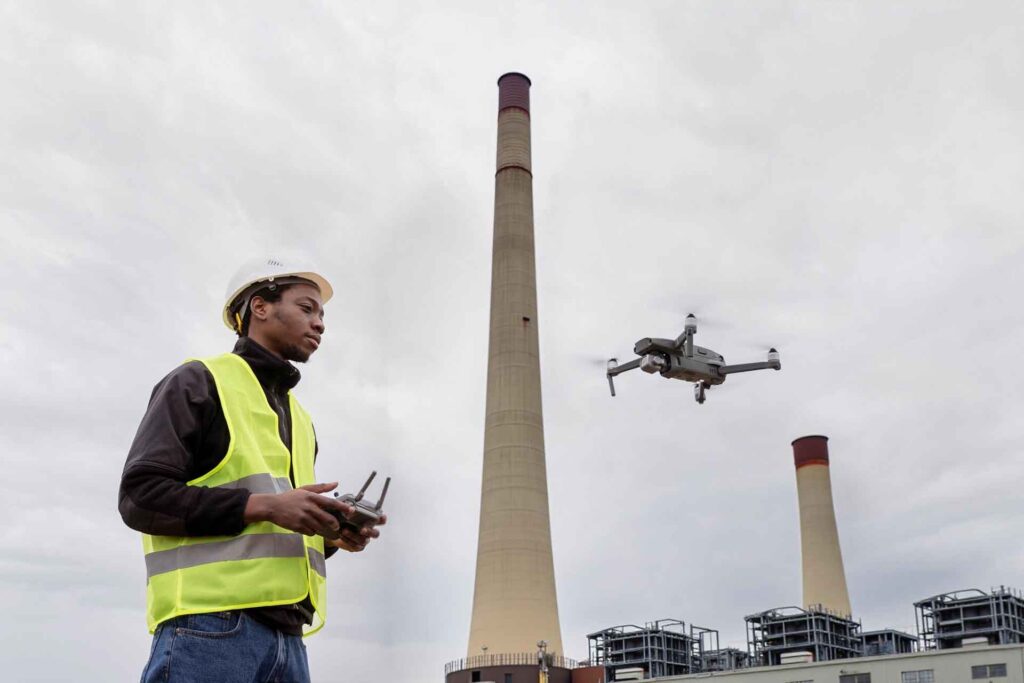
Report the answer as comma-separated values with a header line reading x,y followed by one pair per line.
x,y
268,270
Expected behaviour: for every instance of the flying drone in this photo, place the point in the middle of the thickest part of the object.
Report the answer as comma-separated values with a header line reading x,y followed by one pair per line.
x,y
682,359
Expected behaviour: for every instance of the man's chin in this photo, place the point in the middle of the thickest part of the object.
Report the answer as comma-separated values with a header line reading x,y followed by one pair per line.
x,y
296,354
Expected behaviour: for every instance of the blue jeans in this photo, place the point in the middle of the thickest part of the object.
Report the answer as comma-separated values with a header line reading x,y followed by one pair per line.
x,y
224,647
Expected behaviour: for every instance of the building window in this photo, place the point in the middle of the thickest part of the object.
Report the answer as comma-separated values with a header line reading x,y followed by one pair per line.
x,y
921,676
855,678
474,677
508,678
988,671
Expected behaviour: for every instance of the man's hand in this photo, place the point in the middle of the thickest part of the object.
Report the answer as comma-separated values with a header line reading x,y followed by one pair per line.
x,y
355,542
303,510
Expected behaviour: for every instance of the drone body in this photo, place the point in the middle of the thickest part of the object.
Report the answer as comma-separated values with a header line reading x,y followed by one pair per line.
x,y
680,358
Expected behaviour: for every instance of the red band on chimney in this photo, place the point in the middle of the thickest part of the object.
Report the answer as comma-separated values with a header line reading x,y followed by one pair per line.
x,y
514,91
810,450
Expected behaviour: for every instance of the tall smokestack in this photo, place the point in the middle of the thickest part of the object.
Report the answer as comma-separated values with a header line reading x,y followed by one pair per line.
x,y
514,603
823,575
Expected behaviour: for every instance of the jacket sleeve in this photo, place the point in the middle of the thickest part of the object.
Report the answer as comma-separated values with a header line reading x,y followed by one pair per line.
x,y
154,497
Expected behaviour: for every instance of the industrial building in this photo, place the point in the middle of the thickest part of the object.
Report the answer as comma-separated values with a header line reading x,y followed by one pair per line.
x,y
793,645
669,650
985,664
774,636
945,621
786,640
666,647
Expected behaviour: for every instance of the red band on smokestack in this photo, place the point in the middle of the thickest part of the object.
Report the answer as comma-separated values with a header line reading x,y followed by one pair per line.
x,y
810,450
514,91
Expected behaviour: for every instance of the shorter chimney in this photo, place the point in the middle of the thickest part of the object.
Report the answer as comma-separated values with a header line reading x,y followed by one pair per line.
x,y
823,575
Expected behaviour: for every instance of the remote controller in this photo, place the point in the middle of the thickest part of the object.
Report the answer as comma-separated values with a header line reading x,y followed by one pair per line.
x,y
366,513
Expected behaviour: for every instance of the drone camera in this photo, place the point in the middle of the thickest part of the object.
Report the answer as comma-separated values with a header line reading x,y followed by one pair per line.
x,y
652,363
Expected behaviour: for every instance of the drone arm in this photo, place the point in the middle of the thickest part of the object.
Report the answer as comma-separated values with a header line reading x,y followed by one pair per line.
x,y
684,342
619,369
749,367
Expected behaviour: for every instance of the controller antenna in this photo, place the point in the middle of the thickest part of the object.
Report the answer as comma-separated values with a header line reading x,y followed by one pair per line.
x,y
380,503
359,496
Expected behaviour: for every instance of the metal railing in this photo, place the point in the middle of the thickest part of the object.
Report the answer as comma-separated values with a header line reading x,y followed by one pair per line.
x,y
513,659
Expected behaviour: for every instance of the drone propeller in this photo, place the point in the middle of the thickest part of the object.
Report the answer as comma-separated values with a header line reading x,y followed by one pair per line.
x,y
596,361
747,347
711,322
707,315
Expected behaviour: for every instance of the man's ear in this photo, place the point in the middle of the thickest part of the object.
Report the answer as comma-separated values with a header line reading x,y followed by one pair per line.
x,y
258,308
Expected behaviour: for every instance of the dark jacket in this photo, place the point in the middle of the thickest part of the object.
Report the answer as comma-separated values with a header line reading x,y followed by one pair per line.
x,y
182,436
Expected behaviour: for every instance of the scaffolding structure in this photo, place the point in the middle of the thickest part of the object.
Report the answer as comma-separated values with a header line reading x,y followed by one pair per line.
x,y
666,647
725,659
888,642
818,631
944,621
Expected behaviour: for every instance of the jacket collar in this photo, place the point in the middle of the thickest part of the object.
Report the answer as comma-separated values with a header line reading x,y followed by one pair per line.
x,y
272,372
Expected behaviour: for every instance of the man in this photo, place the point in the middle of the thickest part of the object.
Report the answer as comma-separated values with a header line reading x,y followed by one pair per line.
x,y
219,480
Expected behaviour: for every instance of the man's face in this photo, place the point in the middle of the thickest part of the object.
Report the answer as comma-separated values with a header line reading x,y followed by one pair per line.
x,y
295,324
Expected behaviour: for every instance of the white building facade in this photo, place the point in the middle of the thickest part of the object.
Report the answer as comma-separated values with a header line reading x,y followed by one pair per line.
x,y
981,664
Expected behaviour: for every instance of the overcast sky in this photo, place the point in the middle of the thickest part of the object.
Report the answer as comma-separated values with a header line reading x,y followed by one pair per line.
x,y
842,180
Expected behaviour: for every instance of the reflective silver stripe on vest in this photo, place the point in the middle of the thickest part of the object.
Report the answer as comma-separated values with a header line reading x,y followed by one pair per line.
x,y
317,562
259,483
248,547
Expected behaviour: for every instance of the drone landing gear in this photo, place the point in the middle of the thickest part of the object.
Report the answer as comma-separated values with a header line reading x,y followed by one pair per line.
x,y
698,392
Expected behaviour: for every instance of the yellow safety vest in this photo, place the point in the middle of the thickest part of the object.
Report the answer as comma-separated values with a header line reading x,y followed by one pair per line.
x,y
265,564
